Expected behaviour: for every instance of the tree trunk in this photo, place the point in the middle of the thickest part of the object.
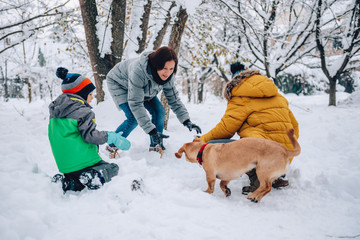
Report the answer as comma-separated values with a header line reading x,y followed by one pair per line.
x,y
89,14
6,90
4,76
178,29
267,26
348,51
161,34
332,92
164,102
144,27
201,90
223,74
29,89
174,42
118,15
50,92
189,89
188,82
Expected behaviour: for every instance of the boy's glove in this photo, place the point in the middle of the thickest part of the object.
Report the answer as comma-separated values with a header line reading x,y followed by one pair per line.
x,y
157,138
192,126
119,141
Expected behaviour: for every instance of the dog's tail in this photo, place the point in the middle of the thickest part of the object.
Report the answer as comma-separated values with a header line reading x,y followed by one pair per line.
x,y
297,149
180,152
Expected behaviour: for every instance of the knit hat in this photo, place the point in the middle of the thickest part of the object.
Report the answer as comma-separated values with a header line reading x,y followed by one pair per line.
x,y
74,83
236,68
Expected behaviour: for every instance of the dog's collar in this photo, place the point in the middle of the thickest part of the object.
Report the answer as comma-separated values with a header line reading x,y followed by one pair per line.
x,y
200,153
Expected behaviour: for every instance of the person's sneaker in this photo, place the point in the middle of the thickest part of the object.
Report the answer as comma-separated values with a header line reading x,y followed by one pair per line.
x,y
67,184
113,152
158,148
92,179
280,183
153,149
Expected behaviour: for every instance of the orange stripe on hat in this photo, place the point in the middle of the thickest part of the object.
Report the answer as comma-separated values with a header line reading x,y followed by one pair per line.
x,y
78,88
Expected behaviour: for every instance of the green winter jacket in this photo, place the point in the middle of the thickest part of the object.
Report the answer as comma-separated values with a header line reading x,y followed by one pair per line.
x,y
72,133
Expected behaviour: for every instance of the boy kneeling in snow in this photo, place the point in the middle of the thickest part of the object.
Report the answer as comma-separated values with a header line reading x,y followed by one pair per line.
x,y
74,139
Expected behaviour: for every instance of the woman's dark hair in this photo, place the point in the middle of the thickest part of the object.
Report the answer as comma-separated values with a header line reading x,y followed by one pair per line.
x,y
158,58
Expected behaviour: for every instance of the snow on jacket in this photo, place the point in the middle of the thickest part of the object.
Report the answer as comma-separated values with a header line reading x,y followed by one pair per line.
x,y
72,133
254,109
131,81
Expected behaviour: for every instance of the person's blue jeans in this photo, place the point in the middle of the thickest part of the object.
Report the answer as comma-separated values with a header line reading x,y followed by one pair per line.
x,y
156,110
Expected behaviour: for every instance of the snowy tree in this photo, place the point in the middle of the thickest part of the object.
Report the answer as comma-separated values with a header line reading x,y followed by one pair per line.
x,y
163,13
337,22
177,31
22,19
29,30
208,49
275,33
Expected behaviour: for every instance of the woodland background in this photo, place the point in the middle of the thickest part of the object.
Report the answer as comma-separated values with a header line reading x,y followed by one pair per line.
x,y
305,46
309,48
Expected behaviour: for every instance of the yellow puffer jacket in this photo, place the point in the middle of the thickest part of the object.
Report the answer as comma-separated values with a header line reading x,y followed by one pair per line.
x,y
254,109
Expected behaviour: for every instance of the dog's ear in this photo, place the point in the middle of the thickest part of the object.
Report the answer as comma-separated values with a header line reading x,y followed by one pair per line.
x,y
290,132
180,152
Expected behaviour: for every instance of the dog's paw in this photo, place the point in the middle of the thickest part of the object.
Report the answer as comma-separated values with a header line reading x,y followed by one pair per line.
x,y
253,199
209,191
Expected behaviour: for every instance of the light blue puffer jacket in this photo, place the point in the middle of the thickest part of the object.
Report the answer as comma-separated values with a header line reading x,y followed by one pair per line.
x,y
131,81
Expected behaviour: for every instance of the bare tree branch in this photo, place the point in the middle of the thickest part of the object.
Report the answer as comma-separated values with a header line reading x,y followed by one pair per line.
x,y
45,14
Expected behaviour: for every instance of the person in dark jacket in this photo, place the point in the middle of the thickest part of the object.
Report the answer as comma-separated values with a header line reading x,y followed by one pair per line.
x,y
74,138
134,85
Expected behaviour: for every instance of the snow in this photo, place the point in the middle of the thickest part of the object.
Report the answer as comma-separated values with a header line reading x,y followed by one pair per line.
x,y
190,5
322,201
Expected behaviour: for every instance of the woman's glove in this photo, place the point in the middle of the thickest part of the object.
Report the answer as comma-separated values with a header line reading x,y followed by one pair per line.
x,y
157,138
119,141
192,126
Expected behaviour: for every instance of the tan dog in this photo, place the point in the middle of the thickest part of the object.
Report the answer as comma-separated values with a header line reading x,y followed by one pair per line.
x,y
228,161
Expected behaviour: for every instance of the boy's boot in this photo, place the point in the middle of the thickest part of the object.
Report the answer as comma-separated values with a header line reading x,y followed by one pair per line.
x,y
254,182
72,185
92,179
67,183
57,177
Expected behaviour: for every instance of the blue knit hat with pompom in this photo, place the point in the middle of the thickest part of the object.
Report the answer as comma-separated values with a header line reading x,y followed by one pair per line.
x,y
74,83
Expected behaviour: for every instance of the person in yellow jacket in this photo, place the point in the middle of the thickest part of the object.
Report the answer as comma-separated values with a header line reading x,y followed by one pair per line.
x,y
255,108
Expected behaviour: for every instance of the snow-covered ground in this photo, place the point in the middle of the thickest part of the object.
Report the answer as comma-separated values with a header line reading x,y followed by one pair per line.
x,y
322,201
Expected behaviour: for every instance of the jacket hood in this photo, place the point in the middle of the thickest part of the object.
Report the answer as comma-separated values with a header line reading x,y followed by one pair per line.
x,y
65,104
250,83
143,61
